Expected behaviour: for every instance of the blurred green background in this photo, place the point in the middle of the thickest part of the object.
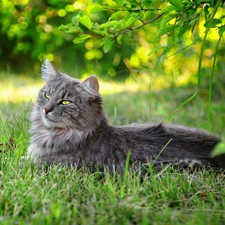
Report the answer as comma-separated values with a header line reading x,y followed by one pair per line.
x,y
30,32
162,55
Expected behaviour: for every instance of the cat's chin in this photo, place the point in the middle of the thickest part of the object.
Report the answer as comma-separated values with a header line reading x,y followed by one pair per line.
x,y
47,122
52,124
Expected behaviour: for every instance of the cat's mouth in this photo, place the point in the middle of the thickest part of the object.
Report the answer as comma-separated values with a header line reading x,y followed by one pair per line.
x,y
53,122
48,120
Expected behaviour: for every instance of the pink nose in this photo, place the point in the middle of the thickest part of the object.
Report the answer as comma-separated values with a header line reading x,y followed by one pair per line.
x,y
46,110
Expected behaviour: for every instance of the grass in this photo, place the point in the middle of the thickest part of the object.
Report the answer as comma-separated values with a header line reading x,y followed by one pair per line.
x,y
67,196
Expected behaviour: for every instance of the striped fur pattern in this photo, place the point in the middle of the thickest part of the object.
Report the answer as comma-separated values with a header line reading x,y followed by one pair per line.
x,y
69,127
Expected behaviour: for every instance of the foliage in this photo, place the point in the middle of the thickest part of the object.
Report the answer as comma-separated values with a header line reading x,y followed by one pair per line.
x,y
29,30
114,38
159,32
219,149
156,30
173,18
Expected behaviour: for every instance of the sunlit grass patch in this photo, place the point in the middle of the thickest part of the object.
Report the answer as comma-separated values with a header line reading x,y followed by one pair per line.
x,y
23,88
20,89
19,94
107,88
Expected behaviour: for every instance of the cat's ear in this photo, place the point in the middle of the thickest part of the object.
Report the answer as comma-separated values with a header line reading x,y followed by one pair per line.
x,y
92,84
48,72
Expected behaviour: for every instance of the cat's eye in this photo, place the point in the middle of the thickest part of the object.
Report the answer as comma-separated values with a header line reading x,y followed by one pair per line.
x,y
46,95
65,102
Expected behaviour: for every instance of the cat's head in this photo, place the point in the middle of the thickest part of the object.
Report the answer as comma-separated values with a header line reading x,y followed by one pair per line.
x,y
65,102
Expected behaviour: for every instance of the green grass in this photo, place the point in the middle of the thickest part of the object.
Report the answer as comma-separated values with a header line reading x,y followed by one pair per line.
x,y
66,196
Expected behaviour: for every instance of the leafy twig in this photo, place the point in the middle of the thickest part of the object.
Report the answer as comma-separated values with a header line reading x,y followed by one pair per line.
x,y
129,10
138,27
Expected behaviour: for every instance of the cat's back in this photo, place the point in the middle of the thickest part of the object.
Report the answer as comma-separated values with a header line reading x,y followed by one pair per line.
x,y
171,143
160,130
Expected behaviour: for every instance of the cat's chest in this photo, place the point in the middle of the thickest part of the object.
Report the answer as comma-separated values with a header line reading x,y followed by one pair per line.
x,y
47,142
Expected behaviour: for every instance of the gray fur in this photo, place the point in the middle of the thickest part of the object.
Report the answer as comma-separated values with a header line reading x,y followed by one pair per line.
x,y
78,133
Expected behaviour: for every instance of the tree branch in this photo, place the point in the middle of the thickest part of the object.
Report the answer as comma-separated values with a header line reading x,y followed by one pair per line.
x,y
138,27
129,10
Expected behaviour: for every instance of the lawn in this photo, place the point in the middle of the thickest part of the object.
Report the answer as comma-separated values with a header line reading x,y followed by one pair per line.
x,y
67,196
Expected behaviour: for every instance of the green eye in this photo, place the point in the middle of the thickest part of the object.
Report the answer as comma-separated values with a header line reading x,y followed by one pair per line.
x,y
64,102
46,95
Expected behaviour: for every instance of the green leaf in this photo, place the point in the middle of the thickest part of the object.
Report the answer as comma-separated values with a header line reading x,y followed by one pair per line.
x,y
72,30
85,20
221,31
219,149
119,39
111,24
126,4
81,38
146,3
107,44
167,29
156,49
176,3
206,11
182,31
96,8
214,23
130,21
148,15
65,27
166,20
98,31
75,20
169,8
119,15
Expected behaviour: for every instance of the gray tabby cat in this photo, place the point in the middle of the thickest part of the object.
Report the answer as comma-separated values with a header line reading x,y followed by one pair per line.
x,y
69,127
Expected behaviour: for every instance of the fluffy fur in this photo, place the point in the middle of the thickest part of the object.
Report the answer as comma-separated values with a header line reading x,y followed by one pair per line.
x,y
69,127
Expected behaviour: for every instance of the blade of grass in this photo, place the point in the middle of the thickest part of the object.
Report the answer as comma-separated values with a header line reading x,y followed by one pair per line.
x,y
162,151
211,84
199,64
122,194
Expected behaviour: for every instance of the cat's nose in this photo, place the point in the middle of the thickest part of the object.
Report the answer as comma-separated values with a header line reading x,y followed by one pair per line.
x,y
46,110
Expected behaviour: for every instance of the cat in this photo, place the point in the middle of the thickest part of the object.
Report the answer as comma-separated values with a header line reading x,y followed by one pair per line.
x,y
69,127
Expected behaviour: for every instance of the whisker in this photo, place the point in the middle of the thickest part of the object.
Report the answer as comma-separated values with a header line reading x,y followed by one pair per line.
x,y
38,105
